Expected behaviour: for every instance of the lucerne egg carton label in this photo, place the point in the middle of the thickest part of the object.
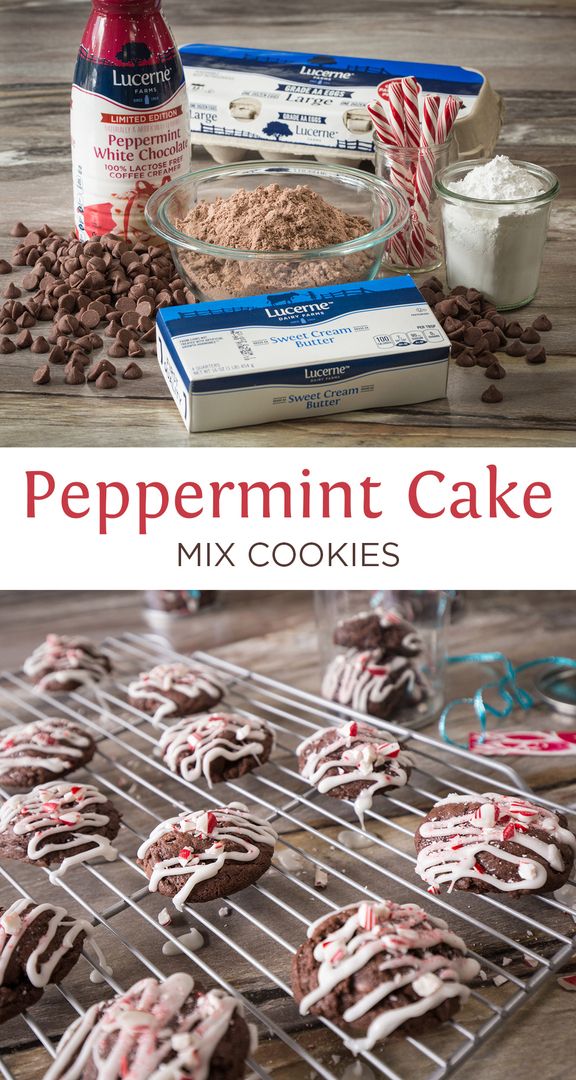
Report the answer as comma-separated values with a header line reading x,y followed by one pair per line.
x,y
314,352
280,103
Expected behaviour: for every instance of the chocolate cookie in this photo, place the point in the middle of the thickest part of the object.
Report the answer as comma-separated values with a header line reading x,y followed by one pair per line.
x,y
379,629
207,854
172,690
353,762
218,746
157,1029
66,663
39,944
378,968
43,750
367,682
494,843
58,825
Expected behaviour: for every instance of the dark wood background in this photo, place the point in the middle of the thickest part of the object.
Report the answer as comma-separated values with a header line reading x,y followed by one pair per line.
x,y
527,50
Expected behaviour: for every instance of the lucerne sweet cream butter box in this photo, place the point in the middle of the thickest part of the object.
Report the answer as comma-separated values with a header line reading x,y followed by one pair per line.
x,y
314,352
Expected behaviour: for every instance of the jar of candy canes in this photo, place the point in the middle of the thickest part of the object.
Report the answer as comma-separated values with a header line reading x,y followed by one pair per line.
x,y
383,653
417,248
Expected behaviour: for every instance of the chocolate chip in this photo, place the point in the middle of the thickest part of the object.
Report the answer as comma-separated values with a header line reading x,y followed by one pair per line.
x,y
80,358
12,292
516,348
150,335
40,345
126,335
130,319
445,307
106,381
500,321
466,360
30,282
485,359
25,320
493,340
513,330
41,375
96,369
84,343
125,304
145,307
57,355
5,267
473,295
132,371
452,325
89,318
7,345
472,335
96,341
8,326
485,324
495,371
117,350
18,229
530,336
24,339
428,295
542,322
536,355
480,346
492,395
136,350
73,375
68,324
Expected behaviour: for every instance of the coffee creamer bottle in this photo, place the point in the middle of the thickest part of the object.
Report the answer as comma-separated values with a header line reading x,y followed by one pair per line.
x,y
129,119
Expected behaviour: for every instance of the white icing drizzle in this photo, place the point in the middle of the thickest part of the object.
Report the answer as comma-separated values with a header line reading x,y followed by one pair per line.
x,y
60,658
360,679
396,931
456,842
411,642
52,744
147,1032
15,923
182,678
193,940
51,812
192,746
229,824
357,753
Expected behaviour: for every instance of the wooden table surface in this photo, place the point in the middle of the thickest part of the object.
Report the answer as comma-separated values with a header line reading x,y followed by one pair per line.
x,y
526,48
278,637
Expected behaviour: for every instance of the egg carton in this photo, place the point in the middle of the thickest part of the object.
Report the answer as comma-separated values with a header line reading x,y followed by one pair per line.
x,y
283,104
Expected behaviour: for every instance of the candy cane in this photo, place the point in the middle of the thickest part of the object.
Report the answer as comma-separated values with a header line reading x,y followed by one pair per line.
x,y
381,123
446,118
410,90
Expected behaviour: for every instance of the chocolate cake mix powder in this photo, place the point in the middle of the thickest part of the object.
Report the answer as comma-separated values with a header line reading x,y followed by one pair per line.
x,y
272,218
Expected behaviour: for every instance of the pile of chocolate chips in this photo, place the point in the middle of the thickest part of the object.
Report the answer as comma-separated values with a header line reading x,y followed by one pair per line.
x,y
104,284
477,331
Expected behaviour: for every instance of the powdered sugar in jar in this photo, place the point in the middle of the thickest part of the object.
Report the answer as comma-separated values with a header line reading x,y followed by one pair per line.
x,y
495,217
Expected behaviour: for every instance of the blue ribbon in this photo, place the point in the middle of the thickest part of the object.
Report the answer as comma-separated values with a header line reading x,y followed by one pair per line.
x,y
511,695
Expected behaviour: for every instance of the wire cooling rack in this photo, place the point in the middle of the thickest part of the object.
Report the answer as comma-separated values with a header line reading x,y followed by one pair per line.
x,y
323,861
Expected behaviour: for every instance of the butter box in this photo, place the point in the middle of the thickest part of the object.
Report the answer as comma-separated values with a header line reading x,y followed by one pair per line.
x,y
313,352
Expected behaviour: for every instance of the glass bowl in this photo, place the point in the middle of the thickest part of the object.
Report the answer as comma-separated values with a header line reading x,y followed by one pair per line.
x,y
220,273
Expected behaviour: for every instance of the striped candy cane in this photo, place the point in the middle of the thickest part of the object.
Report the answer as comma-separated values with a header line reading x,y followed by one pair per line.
x,y
446,119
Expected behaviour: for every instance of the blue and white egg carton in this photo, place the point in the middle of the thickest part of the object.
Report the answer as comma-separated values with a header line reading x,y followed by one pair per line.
x,y
282,104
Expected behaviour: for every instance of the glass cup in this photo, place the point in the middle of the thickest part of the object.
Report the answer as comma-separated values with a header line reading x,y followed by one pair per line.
x,y
495,246
417,247
428,611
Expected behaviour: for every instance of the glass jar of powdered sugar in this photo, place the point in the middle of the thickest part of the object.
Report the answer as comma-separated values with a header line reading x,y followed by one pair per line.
x,y
495,217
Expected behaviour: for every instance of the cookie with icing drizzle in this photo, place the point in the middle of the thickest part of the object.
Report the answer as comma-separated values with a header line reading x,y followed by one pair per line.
x,y
354,762
58,826
205,854
379,629
375,969
62,664
169,691
39,944
217,746
372,684
494,843
43,750
157,1029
